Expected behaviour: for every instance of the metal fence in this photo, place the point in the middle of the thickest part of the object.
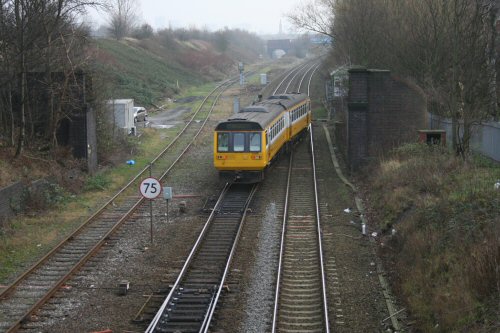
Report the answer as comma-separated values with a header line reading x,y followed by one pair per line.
x,y
485,137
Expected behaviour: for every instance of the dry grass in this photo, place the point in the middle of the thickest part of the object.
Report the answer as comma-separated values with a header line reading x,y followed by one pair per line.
x,y
45,222
446,253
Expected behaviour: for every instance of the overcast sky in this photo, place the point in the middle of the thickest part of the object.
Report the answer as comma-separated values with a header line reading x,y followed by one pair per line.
x,y
259,16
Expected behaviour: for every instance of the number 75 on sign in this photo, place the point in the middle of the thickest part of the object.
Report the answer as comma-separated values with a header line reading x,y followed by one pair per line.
x,y
150,188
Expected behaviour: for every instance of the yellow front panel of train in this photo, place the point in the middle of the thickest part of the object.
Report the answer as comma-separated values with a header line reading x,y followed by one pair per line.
x,y
239,151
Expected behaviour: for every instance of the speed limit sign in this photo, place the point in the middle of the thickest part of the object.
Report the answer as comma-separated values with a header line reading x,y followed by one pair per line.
x,y
150,188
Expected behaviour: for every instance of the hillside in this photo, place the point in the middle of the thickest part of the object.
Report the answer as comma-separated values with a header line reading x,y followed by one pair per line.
x,y
136,72
161,66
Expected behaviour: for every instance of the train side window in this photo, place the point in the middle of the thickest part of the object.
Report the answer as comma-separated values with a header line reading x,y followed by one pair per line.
x,y
223,142
255,142
239,141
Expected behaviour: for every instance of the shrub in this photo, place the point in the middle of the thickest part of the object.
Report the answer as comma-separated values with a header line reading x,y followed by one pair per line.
x,y
44,196
97,183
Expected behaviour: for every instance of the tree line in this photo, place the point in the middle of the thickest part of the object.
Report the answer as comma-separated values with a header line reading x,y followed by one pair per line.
x,y
447,47
37,39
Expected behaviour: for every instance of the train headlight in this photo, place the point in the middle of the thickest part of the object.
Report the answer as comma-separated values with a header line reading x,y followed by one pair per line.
x,y
256,157
221,157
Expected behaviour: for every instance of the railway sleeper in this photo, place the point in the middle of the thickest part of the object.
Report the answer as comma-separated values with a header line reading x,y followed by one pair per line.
x,y
298,296
306,326
184,316
190,300
300,330
201,283
302,317
189,307
292,301
179,328
301,288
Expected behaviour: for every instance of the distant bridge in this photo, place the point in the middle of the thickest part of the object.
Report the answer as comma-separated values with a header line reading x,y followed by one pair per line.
x,y
278,44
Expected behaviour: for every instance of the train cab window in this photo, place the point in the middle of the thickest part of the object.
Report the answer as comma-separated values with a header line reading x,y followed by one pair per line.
x,y
239,142
223,142
254,142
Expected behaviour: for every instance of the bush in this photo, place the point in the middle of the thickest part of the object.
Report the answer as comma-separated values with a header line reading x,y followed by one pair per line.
x,y
97,183
43,196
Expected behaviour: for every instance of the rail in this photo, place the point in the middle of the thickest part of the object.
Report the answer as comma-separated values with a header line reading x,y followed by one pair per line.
x,y
57,284
300,239
225,198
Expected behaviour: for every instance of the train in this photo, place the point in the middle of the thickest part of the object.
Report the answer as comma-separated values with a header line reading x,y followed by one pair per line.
x,y
249,141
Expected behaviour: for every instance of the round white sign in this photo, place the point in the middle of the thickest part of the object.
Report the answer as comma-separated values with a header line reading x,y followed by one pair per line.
x,y
150,188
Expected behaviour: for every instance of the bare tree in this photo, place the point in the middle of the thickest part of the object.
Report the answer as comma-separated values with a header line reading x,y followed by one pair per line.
x,y
31,35
315,16
123,17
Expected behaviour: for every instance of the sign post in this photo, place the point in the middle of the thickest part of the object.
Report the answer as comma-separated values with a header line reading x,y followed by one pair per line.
x,y
150,189
167,195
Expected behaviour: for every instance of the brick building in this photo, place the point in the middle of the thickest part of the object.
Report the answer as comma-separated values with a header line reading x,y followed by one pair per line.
x,y
382,112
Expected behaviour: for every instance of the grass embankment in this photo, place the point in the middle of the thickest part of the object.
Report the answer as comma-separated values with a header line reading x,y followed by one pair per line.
x,y
139,73
445,255
28,236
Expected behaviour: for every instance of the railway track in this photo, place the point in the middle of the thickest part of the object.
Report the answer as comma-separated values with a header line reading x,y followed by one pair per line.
x,y
300,299
190,305
33,288
294,78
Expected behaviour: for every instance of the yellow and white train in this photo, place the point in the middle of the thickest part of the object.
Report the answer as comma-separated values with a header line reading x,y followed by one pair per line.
x,y
248,141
